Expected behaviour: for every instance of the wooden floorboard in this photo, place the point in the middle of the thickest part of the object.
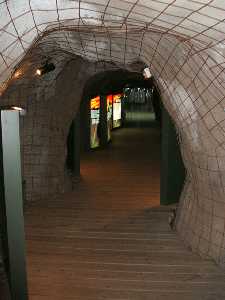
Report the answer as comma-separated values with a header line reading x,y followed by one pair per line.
x,y
4,288
109,239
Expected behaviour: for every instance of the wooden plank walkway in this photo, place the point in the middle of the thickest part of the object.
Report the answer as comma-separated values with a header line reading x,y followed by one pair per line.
x,y
110,239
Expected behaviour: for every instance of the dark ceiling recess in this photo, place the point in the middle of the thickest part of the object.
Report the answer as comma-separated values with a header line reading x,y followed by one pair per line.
x,y
115,81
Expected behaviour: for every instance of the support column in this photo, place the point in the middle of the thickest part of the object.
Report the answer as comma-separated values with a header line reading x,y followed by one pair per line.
x,y
172,167
85,123
11,202
76,145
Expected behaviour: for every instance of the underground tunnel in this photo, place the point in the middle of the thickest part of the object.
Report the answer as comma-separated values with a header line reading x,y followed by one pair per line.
x,y
182,44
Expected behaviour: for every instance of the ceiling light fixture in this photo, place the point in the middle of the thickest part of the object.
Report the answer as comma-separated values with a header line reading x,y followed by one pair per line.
x,y
17,74
146,73
46,68
38,72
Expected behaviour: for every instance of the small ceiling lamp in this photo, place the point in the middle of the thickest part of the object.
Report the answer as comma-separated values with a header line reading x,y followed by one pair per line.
x,y
17,74
38,72
46,68
146,73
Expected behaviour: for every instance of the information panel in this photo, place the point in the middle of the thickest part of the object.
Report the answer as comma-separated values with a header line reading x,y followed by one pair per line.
x,y
117,110
94,122
109,115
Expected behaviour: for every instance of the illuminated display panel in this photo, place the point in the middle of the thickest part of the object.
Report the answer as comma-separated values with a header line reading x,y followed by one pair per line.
x,y
117,110
109,115
94,122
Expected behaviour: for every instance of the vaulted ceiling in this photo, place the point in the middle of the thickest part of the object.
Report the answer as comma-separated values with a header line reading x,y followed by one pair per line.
x,y
163,33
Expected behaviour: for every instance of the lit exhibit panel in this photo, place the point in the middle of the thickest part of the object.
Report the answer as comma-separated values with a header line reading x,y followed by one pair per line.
x,y
94,122
117,110
109,115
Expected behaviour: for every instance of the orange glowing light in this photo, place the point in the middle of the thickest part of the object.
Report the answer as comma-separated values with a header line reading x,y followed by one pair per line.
x,y
17,74
109,99
117,98
95,103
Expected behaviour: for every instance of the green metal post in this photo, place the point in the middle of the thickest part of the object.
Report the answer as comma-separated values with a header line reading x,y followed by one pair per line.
x,y
11,195
172,168
76,145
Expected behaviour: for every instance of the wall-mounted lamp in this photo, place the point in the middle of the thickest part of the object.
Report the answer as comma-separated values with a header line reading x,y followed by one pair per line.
x,y
38,72
17,74
46,68
146,73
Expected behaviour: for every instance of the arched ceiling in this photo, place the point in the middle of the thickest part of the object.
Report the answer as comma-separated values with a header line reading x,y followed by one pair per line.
x,y
159,32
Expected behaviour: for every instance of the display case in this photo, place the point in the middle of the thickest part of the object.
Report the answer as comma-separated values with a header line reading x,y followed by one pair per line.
x,y
109,99
95,122
117,110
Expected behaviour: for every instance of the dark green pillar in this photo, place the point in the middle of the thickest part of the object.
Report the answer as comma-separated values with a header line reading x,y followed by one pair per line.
x,y
85,124
172,168
76,145
12,204
73,146
103,122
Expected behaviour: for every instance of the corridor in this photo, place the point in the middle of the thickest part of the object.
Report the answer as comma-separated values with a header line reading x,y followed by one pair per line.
x,y
109,239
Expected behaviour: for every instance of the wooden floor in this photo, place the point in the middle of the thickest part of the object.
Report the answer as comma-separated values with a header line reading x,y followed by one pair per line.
x,y
4,288
110,239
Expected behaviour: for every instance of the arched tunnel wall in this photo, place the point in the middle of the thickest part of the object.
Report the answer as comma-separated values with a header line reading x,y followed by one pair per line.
x,y
50,111
187,62
44,131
